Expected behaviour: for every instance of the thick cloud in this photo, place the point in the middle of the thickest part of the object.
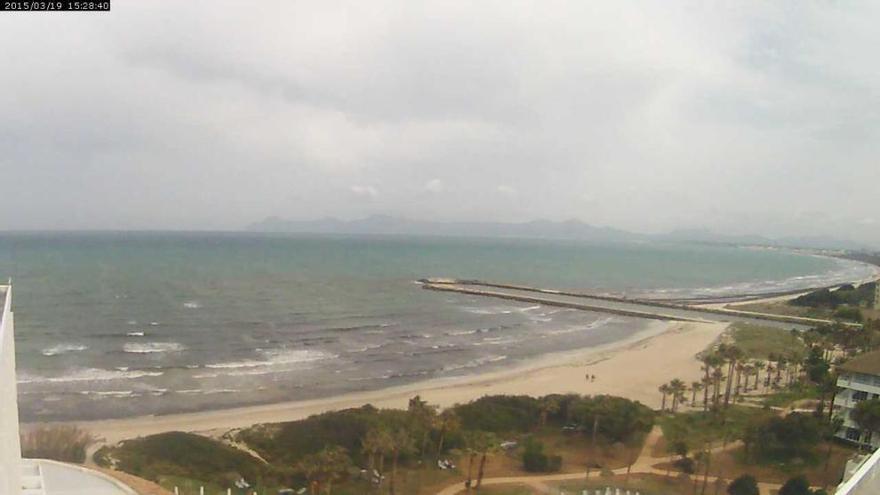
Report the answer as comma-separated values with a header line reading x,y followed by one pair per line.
x,y
755,117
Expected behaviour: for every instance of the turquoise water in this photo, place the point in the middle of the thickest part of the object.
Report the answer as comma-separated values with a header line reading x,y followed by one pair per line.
x,y
118,324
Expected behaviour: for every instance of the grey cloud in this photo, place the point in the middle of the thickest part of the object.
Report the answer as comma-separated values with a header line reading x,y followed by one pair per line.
x,y
755,117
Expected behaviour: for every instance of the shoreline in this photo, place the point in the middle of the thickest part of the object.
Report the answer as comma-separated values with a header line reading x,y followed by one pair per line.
x,y
632,368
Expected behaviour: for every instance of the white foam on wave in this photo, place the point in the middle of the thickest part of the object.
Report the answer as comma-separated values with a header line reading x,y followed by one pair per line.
x,y
276,357
152,347
116,394
494,310
192,305
475,363
457,333
208,391
55,350
530,308
366,348
89,375
579,328
497,341
135,334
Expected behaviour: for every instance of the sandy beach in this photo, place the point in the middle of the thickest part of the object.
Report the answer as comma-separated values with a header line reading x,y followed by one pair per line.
x,y
632,369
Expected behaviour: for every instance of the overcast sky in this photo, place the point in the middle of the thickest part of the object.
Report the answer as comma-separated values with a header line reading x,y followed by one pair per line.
x,y
758,117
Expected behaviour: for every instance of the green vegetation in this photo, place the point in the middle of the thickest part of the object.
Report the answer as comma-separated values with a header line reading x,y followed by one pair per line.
x,y
614,418
762,342
536,461
783,439
286,443
61,443
506,413
325,468
795,392
368,449
698,428
189,456
867,415
744,485
799,485
848,295
848,313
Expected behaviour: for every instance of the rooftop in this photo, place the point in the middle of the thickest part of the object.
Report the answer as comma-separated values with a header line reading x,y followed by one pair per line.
x,y
868,364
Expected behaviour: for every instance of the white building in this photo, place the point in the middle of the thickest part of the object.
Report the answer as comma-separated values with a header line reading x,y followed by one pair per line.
x,y
859,380
863,479
35,476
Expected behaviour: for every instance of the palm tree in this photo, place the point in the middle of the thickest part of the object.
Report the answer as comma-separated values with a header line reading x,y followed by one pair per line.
x,y
324,468
695,387
421,418
370,445
740,371
767,378
309,467
401,442
867,415
707,383
710,361
547,405
780,364
759,365
663,389
732,354
485,445
377,443
676,390
470,443
827,387
447,422
717,376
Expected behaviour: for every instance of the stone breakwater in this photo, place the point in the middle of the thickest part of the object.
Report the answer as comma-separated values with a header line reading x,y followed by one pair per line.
x,y
640,308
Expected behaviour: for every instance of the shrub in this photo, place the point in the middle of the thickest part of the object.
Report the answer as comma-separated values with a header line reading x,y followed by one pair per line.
x,y
848,313
286,443
796,486
619,419
60,443
536,461
500,413
744,485
187,455
684,464
782,439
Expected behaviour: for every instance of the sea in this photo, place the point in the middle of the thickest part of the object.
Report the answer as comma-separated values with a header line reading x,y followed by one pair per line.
x,y
120,324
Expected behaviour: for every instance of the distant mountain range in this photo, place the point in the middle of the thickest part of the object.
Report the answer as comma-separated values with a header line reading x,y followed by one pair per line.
x,y
546,229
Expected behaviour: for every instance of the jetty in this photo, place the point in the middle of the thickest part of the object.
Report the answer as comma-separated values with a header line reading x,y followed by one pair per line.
x,y
619,305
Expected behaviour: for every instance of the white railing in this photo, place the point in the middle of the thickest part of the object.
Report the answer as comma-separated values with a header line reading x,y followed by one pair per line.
x,y
866,479
10,446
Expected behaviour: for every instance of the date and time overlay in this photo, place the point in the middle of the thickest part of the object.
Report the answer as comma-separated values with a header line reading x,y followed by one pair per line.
x,y
56,6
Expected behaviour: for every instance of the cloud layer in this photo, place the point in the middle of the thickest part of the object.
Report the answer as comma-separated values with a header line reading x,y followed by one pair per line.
x,y
751,117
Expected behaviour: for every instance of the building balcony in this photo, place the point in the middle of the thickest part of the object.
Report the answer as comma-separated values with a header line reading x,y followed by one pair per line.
x,y
865,480
45,477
